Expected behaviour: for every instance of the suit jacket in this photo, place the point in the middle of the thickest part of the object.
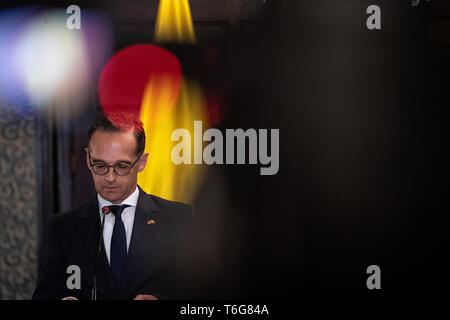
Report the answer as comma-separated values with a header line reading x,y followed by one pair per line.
x,y
151,266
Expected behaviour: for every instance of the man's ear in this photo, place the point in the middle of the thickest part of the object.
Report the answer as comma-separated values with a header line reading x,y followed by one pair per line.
x,y
142,162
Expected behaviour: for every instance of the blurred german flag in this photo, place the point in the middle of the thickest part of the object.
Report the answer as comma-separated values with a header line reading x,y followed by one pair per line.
x,y
166,107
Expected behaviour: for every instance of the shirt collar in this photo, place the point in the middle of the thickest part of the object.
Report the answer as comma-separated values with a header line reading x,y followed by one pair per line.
x,y
131,200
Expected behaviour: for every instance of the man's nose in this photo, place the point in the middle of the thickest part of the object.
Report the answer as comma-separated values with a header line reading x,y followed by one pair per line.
x,y
110,176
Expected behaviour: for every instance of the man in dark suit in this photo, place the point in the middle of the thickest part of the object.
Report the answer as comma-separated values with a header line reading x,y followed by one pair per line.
x,y
141,233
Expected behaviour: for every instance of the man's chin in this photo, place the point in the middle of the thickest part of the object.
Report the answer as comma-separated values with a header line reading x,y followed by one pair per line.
x,y
111,194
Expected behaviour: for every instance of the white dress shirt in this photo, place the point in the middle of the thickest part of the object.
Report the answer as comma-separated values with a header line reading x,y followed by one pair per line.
x,y
127,218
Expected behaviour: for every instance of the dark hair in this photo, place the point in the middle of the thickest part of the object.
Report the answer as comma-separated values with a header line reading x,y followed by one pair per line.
x,y
121,122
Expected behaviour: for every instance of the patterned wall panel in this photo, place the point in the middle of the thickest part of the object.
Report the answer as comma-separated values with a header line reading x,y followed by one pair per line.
x,y
18,203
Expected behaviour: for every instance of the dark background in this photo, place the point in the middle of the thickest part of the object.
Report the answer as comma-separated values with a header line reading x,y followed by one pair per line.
x,y
363,167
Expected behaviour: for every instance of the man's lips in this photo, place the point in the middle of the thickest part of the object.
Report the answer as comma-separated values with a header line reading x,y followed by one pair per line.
x,y
110,188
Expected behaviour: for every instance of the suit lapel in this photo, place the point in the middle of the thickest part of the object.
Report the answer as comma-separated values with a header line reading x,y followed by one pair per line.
x,y
145,227
89,225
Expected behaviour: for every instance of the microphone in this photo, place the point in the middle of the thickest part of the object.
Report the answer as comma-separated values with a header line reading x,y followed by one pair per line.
x,y
105,211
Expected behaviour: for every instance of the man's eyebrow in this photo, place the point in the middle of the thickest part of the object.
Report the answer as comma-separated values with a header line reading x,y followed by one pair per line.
x,y
96,160
117,162
122,161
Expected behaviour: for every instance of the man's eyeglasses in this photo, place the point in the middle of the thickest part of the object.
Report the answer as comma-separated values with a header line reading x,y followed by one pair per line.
x,y
121,168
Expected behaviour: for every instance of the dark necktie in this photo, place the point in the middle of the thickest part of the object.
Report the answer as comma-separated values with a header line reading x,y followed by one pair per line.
x,y
118,244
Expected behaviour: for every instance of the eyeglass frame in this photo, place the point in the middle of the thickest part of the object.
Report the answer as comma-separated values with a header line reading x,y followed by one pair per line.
x,y
113,166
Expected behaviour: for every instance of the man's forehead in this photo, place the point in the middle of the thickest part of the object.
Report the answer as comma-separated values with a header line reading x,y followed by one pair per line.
x,y
110,143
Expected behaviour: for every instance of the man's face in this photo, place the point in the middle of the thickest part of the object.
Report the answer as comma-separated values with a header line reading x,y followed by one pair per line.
x,y
114,149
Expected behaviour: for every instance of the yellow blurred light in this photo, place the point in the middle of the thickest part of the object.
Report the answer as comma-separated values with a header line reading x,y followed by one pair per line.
x,y
174,22
161,176
161,92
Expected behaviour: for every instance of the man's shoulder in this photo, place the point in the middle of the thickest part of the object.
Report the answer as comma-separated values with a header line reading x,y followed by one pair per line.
x,y
72,214
169,206
168,203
